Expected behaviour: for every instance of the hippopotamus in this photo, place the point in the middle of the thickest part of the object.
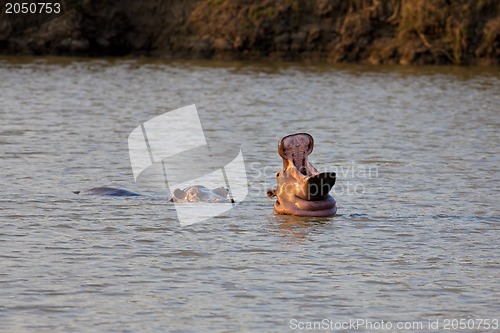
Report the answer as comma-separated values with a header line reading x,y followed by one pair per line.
x,y
196,193
302,190
108,191
201,193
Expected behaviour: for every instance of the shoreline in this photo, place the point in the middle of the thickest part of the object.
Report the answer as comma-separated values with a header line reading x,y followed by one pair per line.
x,y
264,64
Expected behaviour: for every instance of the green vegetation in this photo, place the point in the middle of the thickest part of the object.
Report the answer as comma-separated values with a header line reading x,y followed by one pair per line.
x,y
257,14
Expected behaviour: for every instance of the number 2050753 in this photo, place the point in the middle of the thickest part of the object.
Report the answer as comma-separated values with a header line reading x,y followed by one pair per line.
x,y
32,8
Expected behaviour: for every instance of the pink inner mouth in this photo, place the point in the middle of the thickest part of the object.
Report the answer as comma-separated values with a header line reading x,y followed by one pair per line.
x,y
296,148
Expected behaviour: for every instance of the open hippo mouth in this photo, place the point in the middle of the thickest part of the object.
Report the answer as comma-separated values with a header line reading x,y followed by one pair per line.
x,y
296,148
302,190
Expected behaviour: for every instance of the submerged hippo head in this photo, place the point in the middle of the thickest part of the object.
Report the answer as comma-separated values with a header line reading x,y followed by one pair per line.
x,y
302,190
200,193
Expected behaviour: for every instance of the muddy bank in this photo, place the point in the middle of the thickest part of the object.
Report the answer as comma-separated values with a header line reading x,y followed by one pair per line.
x,y
366,31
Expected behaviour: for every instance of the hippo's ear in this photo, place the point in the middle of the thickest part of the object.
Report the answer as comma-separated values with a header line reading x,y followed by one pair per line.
x,y
221,191
178,195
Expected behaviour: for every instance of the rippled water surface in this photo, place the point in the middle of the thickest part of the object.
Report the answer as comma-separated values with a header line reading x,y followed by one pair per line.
x,y
416,151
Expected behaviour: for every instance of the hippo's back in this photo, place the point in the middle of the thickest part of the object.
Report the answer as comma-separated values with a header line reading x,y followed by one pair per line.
x,y
109,191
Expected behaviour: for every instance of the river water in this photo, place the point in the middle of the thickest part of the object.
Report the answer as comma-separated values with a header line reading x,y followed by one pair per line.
x,y
416,239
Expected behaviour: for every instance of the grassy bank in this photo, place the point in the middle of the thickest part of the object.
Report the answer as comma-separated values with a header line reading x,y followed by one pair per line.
x,y
458,32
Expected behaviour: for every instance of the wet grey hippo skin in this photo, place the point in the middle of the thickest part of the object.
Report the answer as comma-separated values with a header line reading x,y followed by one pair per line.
x,y
108,191
195,193
301,189
199,193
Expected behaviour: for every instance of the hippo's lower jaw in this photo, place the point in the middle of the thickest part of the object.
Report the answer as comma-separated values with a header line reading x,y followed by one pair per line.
x,y
301,207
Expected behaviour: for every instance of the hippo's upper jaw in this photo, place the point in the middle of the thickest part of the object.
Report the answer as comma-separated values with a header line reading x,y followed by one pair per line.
x,y
294,149
302,190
